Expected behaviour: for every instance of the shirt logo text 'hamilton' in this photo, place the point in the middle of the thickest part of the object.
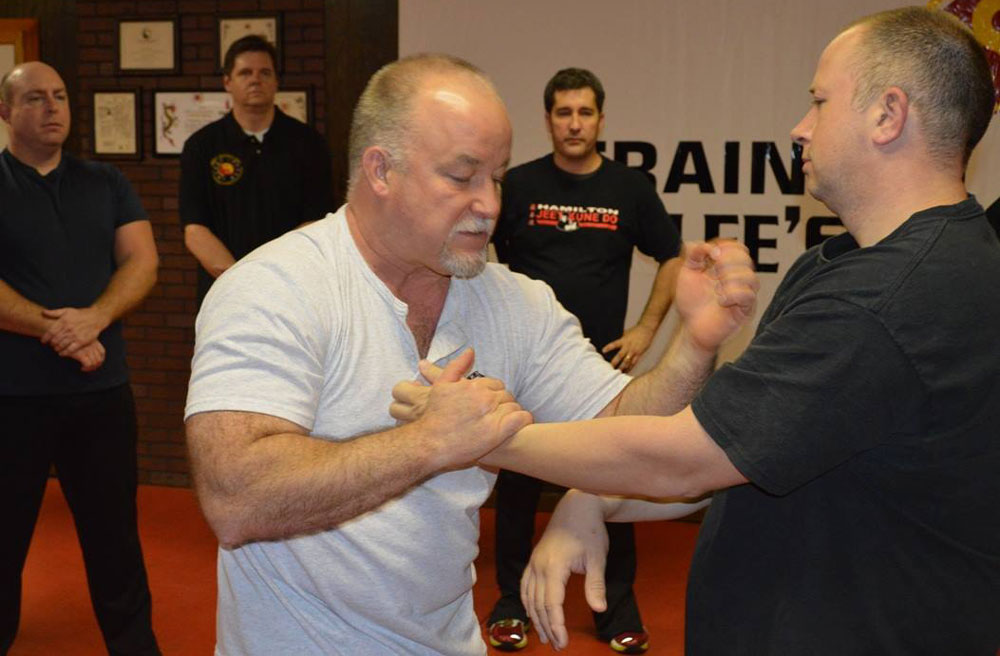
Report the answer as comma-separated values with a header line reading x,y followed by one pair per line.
x,y
571,217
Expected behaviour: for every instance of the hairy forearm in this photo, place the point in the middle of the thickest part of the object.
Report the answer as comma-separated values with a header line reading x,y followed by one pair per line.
x,y
671,384
290,484
19,315
211,253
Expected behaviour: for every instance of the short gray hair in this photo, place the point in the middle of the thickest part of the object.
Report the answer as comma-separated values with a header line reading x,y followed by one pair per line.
x,y
383,114
937,61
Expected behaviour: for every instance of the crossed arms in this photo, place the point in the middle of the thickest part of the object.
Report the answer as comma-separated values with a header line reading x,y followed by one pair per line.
x,y
73,332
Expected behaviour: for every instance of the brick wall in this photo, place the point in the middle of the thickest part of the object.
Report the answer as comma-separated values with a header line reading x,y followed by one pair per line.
x,y
160,333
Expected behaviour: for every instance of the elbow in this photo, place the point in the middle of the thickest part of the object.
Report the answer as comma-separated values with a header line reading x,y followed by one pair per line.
x,y
226,519
223,507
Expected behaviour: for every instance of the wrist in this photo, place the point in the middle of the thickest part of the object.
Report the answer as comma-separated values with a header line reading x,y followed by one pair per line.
x,y
650,324
103,315
692,347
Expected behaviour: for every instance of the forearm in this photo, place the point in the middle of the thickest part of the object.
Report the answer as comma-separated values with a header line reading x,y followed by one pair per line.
x,y
656,452
671,384
130,284
628,509
290,484
19,315
661,295
211,253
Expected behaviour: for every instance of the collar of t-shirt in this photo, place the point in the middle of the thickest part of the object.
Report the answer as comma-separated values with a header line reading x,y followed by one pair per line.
x,y
259,136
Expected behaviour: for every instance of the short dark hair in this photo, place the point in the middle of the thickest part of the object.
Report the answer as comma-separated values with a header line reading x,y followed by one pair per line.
x,y
937,61
249,43
569,79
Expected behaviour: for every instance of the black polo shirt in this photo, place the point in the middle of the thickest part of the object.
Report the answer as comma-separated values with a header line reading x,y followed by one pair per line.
x,y
57,235
247,192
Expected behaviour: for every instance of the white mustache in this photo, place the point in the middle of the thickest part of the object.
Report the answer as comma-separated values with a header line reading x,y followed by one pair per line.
x,y
473,224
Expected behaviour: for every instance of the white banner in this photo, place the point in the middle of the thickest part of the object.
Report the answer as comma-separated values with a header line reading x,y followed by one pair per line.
x,y
701,94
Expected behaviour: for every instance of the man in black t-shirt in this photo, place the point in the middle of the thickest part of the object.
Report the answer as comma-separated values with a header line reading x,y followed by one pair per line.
x,y
76,253
854,443
572,219
254,174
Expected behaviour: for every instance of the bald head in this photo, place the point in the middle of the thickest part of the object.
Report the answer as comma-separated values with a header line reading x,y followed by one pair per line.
x,y
35,107
22,74
385,113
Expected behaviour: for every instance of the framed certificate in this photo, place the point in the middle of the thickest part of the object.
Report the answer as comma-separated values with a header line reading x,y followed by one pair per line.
x,y
117,124
297,103
236,26
147,45
179,114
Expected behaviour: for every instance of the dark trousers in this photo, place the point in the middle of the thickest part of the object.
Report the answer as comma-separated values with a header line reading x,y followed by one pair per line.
x,y
516,499
91,440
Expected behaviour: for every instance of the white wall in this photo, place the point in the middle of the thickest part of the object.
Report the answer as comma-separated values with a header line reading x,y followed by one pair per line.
x,y
712,71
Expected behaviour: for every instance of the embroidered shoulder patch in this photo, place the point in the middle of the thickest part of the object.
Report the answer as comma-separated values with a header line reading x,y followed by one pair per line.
x,y
226,169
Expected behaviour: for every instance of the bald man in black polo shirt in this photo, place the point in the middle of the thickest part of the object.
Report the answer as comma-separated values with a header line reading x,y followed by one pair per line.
x,y
254,174
76,253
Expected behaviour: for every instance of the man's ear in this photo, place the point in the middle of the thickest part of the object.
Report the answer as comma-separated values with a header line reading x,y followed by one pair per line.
x,y
5,111
890,113
375,165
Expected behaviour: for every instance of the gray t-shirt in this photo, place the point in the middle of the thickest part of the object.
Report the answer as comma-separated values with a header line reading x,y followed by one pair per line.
x,y
302,329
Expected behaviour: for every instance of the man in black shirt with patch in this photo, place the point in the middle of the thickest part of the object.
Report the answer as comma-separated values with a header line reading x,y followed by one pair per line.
x,y
254,174
855,441
76,253
572,219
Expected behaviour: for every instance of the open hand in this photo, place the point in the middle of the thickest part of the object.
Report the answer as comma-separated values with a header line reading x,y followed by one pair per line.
x,y
716,291
575,541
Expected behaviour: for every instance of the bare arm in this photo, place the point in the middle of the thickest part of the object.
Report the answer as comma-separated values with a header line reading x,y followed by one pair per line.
x,y
656,457
19,315
636,340
208,249
260,477
136,259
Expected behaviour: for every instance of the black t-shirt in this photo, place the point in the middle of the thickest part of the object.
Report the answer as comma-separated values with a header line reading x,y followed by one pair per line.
x,y
577,233
993,214
248,192
57,235
865,413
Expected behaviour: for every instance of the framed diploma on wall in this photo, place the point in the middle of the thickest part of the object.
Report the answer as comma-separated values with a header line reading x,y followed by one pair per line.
x,y
117,132
232,27
147,45
297,103
179,114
